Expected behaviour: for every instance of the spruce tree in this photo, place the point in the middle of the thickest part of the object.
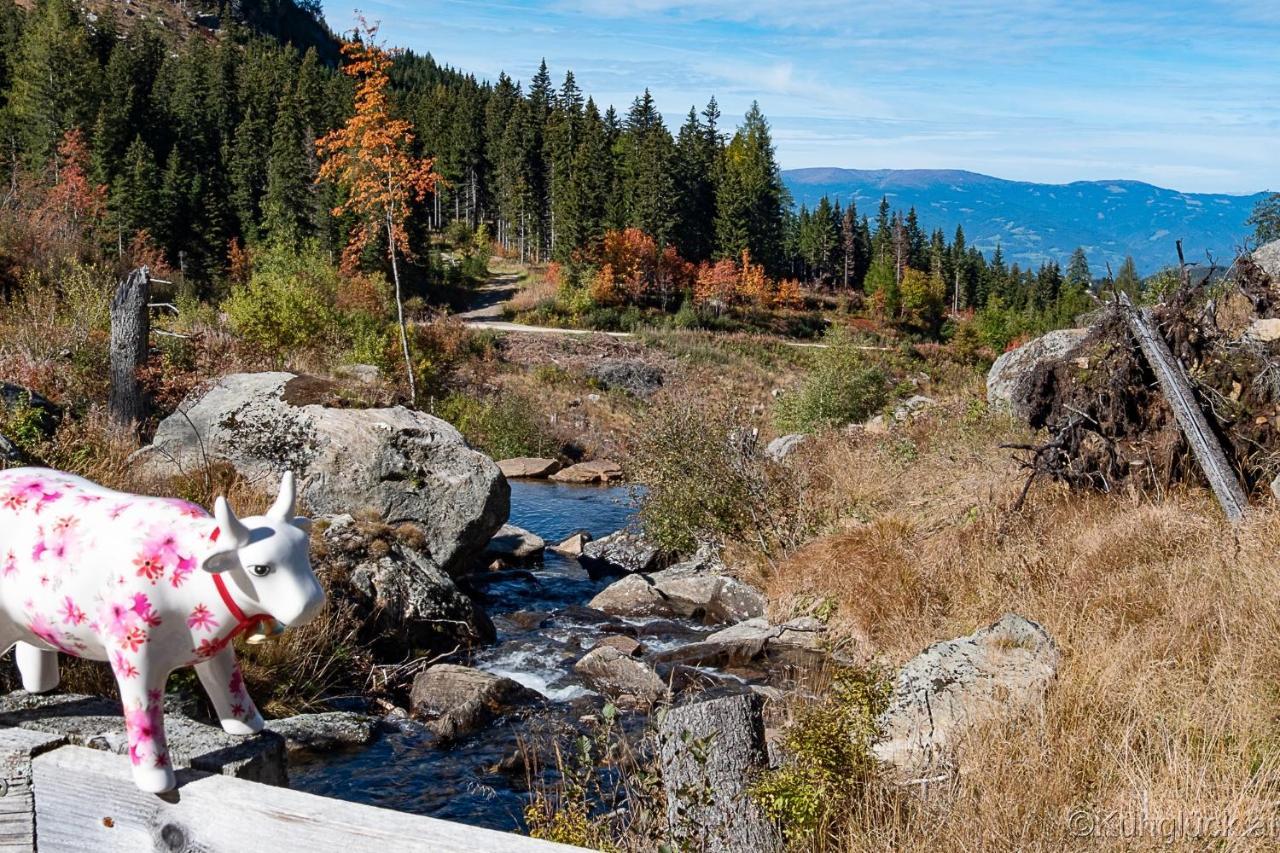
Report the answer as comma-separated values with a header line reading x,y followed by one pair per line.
x,y
134,193
289,200
750,199
648,185
55,79
695,171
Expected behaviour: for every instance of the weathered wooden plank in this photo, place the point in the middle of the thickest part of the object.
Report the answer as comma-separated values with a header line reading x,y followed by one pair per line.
x,y
711,752
1177,390
17,804
86,800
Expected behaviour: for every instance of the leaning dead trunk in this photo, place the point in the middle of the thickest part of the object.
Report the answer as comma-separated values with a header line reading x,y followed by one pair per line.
x,y
711,752
130,335
1195,427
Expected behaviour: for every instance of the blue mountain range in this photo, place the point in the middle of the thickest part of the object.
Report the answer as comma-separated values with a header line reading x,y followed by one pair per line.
x,y
1034,223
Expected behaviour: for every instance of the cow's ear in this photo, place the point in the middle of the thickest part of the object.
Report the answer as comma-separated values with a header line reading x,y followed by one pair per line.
x,y
222,560
232,535
302,523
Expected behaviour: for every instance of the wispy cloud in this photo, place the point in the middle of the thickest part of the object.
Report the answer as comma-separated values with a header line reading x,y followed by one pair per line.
x,y
1182,92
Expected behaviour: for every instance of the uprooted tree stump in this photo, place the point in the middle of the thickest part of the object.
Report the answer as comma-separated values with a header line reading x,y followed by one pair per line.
x,y
1116,421
711,753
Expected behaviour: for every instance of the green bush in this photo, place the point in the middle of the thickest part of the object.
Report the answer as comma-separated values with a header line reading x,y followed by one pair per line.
x,y
843,387
287,305
502,426
828,759
703,476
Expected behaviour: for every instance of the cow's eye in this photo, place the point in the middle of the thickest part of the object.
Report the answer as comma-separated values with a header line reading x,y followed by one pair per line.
x,y
259,571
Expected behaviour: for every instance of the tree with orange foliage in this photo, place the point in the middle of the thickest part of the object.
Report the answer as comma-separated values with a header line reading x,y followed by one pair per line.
x,y
73,205
371,159
631,256
717,283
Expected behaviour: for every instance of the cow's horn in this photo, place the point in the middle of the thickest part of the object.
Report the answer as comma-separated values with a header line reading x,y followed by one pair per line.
x,y
230,526
282,509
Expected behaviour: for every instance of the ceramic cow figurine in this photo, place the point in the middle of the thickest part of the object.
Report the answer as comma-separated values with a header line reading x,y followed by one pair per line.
x,y
149,585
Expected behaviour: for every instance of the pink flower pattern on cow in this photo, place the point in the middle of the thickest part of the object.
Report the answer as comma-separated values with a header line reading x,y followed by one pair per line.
x,y
201,619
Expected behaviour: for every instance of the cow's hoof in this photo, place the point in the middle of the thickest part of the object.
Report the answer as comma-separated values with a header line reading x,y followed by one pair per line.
x,y
154,780
251,726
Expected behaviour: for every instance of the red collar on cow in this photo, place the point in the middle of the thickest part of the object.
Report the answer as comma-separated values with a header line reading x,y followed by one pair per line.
x,y
243,622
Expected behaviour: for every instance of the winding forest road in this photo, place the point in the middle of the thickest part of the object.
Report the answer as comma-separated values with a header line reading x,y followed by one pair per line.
x,y
492,296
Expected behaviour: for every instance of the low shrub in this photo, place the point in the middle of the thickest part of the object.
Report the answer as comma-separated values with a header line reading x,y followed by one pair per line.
x,y
703,477
828,763
502,426
289,302
844,386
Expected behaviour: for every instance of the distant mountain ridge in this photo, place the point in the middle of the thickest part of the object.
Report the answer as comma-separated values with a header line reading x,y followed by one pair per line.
x,y
1035,223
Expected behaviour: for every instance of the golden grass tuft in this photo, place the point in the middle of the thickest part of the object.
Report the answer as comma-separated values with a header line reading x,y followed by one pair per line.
x,y
1167,618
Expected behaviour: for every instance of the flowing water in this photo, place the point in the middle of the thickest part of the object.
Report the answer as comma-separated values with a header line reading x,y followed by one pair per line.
x,y
542,631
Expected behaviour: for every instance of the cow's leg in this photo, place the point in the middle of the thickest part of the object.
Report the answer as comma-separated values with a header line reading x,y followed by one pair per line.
x,y
39,668
222,680
142,695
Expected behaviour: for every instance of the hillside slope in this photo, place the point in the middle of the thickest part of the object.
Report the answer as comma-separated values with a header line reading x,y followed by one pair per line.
x,y
1040,222
287,20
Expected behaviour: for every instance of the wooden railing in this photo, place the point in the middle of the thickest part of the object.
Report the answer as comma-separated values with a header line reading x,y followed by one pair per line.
x,y
57,798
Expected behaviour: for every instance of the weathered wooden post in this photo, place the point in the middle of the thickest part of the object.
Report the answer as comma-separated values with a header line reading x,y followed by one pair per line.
x,y
130,341
711,753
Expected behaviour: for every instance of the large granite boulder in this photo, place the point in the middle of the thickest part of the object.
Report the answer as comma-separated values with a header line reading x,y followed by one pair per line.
x,y
1010,378
404,600
690,590
406,465
458,700
993,674
1267,257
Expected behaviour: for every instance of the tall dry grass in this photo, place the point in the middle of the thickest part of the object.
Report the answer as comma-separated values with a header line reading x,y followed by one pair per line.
x,y
1162,726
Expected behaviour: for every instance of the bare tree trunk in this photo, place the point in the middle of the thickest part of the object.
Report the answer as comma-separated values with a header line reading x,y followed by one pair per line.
x,y
130,335
711,752
404,330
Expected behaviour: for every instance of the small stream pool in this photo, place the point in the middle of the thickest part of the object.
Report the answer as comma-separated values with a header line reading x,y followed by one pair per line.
x,y
541,633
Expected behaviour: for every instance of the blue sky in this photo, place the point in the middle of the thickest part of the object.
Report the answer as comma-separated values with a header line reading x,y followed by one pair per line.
x,y
1182,93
